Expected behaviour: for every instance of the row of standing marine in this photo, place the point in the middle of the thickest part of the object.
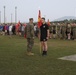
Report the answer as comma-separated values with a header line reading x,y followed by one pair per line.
x,y
63,30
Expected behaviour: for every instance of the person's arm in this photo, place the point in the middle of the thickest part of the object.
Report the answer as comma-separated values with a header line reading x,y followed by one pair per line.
x,y
47,31
39,34
32,31
25,30
70,29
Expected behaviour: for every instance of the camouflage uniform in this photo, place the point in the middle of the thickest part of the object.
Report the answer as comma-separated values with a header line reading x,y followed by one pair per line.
x,y
29,32
64,31
74,31
58,31
51,30
69,31
54,31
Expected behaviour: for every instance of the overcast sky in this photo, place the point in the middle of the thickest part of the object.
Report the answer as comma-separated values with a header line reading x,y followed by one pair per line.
x,y
51,9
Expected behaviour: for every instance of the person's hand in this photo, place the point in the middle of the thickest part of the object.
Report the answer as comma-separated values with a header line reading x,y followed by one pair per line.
x,y
33,37
39,37
47,38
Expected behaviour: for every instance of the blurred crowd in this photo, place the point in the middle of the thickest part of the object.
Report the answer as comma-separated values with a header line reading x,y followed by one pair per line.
x,y
12,29
63,31
57,30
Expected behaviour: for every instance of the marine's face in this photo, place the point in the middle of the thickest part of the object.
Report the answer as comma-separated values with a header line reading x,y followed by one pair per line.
x,y
71,24
43,21
75,24
68,25
31,21
58,24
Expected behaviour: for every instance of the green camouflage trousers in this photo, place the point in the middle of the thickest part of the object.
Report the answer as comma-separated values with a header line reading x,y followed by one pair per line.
x,y
58,34
74,34
30,43
63,34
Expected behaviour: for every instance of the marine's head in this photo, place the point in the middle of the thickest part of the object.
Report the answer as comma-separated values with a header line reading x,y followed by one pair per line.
x,y
31,20
43,20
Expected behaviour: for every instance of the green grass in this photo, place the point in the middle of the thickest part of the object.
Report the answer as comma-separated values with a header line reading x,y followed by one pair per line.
x,y
14,61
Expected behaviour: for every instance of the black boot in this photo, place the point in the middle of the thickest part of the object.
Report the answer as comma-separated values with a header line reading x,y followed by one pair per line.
x,y
44,53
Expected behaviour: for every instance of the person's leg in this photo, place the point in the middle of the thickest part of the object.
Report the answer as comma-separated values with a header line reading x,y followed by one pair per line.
x,y
54,36
45,47
31,43
59,34
42,45
10,34
3,33
29,47
64,35
23,34
69,36
50,35
75,34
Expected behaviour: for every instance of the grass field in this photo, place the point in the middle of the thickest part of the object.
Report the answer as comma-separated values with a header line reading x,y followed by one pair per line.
x,y
14,61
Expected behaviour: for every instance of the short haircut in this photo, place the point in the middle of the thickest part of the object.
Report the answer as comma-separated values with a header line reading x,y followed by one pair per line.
x,y
30,19
43,18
